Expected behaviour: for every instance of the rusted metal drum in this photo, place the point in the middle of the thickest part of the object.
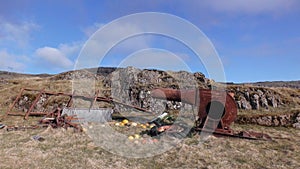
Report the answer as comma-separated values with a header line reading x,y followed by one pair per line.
x,y
217,105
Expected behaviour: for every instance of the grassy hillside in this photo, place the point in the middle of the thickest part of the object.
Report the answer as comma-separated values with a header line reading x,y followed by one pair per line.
x,y
66,149
289,84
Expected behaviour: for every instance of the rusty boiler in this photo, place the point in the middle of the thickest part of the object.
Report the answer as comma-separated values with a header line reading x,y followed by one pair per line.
x,y
216,109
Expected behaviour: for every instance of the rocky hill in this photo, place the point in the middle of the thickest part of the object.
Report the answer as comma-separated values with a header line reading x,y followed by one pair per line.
x,y
132,86
258,104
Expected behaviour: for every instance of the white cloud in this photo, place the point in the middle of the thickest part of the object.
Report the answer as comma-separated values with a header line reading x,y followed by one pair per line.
x,y
120,29
11,62
59,58
106,39
251,6
53,57
155,58
90,30
70,49
18,33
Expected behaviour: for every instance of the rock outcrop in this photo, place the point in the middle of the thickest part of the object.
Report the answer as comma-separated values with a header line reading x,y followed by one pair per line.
x,y
291,119
250,97
132,86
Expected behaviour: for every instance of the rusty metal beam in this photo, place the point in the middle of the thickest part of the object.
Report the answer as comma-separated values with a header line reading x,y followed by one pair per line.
x,y
33,104
70,102
31,113
15,113
14,103
72,96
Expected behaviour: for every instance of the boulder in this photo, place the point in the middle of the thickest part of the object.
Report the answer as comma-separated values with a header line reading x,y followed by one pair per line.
x,y
247,95
254,101
272,101
275,121
264,102
267,121
245,104
296,125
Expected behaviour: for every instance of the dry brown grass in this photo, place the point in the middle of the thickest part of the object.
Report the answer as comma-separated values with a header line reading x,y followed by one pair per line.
x,y
66,149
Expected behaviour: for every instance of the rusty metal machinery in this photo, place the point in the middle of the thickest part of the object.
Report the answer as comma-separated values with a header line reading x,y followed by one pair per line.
x,y
55,118
217,110
70,97
212,105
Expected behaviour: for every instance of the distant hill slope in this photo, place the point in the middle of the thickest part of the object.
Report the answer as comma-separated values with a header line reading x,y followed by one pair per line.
x,y
289,84
108,70
12,75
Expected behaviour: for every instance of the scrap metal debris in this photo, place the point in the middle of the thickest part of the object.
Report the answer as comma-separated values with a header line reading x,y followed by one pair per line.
x,y
2,126
39,93
56,120
38,138
217,110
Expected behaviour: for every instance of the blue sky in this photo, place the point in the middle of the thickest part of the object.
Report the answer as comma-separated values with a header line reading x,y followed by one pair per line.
x,y
256,40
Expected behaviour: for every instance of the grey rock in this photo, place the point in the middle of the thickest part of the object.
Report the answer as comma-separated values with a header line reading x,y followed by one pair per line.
x,y
255,101
298,118
247,95
264,102
283,120
267,121
245,104
132,86
296,125
260,93
260,121
276,122
239,104
272,101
